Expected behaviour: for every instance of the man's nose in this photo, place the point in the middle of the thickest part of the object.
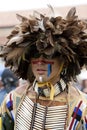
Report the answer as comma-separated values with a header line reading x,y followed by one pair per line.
x,y
41,60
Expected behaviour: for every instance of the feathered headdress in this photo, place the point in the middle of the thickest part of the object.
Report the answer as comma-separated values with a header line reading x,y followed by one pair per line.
x,y
66,36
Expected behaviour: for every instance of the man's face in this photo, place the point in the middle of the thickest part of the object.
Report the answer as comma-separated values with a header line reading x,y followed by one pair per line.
x,y
45,69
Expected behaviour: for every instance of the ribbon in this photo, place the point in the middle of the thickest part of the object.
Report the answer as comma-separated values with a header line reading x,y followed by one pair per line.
x,y
48,84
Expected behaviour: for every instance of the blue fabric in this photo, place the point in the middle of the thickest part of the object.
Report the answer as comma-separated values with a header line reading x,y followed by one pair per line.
x,y
86,126
1,70
2,94
75,125
49,69
9,104
79,111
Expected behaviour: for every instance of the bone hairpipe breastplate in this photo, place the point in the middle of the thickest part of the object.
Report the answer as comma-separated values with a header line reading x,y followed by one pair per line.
x,y
33,116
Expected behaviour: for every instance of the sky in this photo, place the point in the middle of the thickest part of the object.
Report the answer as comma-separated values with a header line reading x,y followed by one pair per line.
x,y
14,5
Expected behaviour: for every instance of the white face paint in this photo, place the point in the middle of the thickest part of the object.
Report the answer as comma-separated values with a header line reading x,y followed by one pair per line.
x,y
40,79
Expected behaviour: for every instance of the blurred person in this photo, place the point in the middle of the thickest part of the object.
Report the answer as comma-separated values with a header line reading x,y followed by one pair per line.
x,y
8,82
84,84
82,80
49,52
2,92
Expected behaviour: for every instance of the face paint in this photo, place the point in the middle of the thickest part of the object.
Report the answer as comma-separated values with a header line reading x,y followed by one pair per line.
x,y
40,79
42,61
49,70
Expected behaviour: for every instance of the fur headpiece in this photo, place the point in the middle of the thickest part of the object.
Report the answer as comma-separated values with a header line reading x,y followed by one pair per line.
x,y
66,36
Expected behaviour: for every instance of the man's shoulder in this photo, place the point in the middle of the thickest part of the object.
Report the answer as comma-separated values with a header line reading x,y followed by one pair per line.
x,y
78,94
20,89
83,95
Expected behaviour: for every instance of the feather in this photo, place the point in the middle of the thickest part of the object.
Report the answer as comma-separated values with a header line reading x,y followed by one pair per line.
x,y
21,18
4,51
75,39
48,24
16,52
50,39
52,14
49,51
37,15
71,13
16,39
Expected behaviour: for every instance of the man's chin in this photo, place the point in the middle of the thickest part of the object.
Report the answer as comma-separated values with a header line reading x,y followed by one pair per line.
x,y
42,78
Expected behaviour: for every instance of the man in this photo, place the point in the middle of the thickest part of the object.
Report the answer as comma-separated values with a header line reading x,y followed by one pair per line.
x,y
49,52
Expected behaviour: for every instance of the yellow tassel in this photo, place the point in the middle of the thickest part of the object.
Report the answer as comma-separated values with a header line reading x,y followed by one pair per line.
x,y
48,84
0,123
23,57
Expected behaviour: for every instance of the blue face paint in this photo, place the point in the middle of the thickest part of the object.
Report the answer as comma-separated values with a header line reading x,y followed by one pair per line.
x,y
49,70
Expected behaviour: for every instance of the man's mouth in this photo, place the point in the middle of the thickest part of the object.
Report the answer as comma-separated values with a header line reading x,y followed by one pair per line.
x,y
41,71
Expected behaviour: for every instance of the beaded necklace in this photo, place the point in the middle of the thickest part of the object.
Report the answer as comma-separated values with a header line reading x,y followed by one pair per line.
x,y
58,87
